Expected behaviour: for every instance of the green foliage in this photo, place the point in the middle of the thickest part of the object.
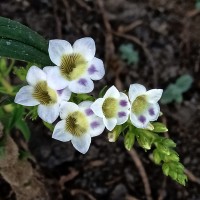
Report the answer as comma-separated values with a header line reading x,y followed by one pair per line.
x,y
49,126
21,72
114,134
103,91
197,4
163,153
129,140
129,54
159,127
20,42
78,98
175,91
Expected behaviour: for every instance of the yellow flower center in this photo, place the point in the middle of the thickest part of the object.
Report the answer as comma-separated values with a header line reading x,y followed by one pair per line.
x,y
77,123
109,107
73,66
139,105
44,94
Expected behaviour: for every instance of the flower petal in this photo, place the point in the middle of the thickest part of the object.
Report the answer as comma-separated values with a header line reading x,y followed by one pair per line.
x,y
154,95
64,94
153,112
25,98
59,132
66,108
97,107
34,75
96,69
82,143
82,85
54,78
139,121
122,117
96,126
86,47
124,103
110,123
135,90
58,48
48,113
112,92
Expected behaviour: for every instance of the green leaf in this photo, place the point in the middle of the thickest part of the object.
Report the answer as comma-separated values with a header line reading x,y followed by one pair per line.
x,y
129,140
16,115
184,82
156,157
103,91
114,134
170,94
168,143
129,54
49,126
159,127
164,149
165,168
21,51
15,31
21,43
21,72
23,127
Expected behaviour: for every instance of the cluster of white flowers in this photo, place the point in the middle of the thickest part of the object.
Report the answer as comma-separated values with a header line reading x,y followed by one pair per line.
x,y
75,69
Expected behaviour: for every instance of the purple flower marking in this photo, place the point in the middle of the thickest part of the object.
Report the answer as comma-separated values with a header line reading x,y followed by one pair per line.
x,y
142,119
82,81
89,112
60,92
121,114
94,124
92,69
151,111
123,103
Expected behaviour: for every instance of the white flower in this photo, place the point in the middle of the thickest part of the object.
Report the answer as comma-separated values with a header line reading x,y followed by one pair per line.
x,y
76,65
113,108
78,124
144,106
38,92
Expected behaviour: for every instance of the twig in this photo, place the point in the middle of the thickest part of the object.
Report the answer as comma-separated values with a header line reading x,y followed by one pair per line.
x,y
124,29
191,176
128,197
57,20
79,191
146,51
109,45
142,172
68,13
83,4
162,191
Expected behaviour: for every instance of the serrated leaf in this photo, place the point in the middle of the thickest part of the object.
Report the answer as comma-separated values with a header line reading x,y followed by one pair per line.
x,y
159,127
129,140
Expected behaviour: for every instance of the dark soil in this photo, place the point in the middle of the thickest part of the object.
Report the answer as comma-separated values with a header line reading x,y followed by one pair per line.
x,y
167,37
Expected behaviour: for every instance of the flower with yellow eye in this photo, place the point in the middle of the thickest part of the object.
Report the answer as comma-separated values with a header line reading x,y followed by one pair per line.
x,y
78,124
38,92
113,108
76,65
144,106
